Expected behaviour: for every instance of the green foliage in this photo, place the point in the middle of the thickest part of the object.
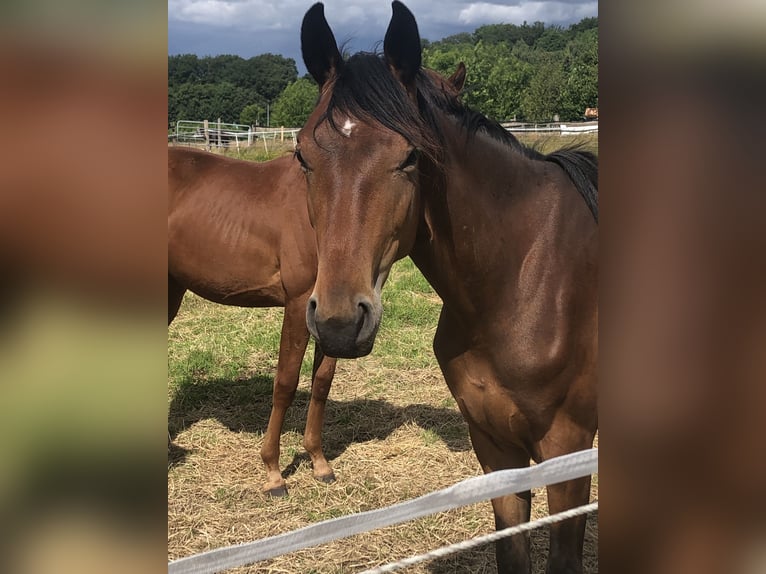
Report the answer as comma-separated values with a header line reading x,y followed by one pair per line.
x,y
552,40
184,69
581,66
583,25
252,115
456,39
498,91
543,98
271,74
496,79
295,104
254,81
208,101
526,72
510,33
267,74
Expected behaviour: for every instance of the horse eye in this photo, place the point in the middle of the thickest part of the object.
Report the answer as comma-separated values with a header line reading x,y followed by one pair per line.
x,y
410,162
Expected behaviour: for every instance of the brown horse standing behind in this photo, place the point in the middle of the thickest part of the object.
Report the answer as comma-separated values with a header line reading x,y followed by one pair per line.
x,y
507,236
239,234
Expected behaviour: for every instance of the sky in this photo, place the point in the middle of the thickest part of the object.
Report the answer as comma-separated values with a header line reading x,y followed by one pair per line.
x,y
251,27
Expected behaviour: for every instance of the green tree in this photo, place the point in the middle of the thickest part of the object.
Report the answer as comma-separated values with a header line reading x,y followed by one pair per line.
x,y
295,104
583,25
496,79
524,53
183,69
543,98
581,69
552,40
271,74
509,33
253,115
208,102
444,58
455,39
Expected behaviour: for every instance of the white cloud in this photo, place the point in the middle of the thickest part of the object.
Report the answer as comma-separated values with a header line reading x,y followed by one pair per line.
x,y
272,14
549,12
250,14
286,14
211,12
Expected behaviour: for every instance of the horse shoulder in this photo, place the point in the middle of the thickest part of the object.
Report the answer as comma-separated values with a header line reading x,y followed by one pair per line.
x,y
550,311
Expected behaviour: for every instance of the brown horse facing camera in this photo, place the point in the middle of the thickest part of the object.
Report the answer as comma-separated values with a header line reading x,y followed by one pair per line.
x,y
239,234
507,236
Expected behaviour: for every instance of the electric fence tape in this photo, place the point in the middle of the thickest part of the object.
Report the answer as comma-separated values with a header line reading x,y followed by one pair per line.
x,y
469,491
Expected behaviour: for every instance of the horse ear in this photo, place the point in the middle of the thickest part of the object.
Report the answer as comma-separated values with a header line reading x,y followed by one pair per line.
x,y
457,80
320,51
401,45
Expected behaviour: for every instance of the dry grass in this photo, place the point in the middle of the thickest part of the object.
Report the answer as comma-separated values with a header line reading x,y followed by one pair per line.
x,y
546,142
392,433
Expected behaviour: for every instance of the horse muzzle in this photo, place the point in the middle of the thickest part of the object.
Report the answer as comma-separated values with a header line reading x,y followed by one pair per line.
x,y
347,334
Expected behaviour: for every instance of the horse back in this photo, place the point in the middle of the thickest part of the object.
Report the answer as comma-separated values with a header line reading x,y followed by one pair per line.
x,y
238,231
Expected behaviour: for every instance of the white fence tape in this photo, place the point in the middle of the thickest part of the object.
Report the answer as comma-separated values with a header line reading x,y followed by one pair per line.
x,y
466,492
485,539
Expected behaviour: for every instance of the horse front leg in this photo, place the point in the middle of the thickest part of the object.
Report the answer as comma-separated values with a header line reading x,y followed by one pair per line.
x,y
567,537
461,369
323,373
513,552
292,346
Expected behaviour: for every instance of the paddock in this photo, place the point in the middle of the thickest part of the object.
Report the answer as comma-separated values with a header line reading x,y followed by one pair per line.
x,y
393,433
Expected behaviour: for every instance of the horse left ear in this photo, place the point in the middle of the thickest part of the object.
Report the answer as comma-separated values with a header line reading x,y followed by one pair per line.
x,y
320,51
401,45
457,80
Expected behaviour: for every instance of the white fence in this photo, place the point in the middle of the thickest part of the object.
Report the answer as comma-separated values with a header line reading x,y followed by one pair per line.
x,y
220,134
469,491
554,127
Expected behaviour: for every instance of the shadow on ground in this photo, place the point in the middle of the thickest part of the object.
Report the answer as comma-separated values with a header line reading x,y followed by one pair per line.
x,y
245,405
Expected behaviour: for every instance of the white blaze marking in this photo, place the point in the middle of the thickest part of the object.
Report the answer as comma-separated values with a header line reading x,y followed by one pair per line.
x,y
347,127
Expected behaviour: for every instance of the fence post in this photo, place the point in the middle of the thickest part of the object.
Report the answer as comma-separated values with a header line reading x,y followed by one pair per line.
x,y
219,132
205,127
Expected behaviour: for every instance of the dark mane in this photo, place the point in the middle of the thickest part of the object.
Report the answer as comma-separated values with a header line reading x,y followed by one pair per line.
x,y
582,168
365,88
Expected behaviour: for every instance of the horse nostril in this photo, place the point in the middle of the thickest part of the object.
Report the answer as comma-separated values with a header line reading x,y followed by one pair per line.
x,y
311,308
365,308
366,323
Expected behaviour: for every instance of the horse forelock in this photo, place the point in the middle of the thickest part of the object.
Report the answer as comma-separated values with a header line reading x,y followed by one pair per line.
x,y
364,88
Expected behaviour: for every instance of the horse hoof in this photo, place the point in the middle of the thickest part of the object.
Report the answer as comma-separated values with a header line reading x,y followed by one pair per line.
x,y
278,492
327,478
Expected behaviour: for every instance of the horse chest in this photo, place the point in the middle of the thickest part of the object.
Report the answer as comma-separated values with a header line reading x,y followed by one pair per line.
x,y
485,400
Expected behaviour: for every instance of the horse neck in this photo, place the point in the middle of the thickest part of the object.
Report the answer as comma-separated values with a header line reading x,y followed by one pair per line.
x,y
479,217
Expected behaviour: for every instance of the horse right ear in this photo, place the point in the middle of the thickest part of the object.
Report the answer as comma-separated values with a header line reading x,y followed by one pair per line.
x,y
320,51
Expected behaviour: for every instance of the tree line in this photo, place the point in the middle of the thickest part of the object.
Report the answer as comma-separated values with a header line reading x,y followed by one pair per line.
x,y
528,72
